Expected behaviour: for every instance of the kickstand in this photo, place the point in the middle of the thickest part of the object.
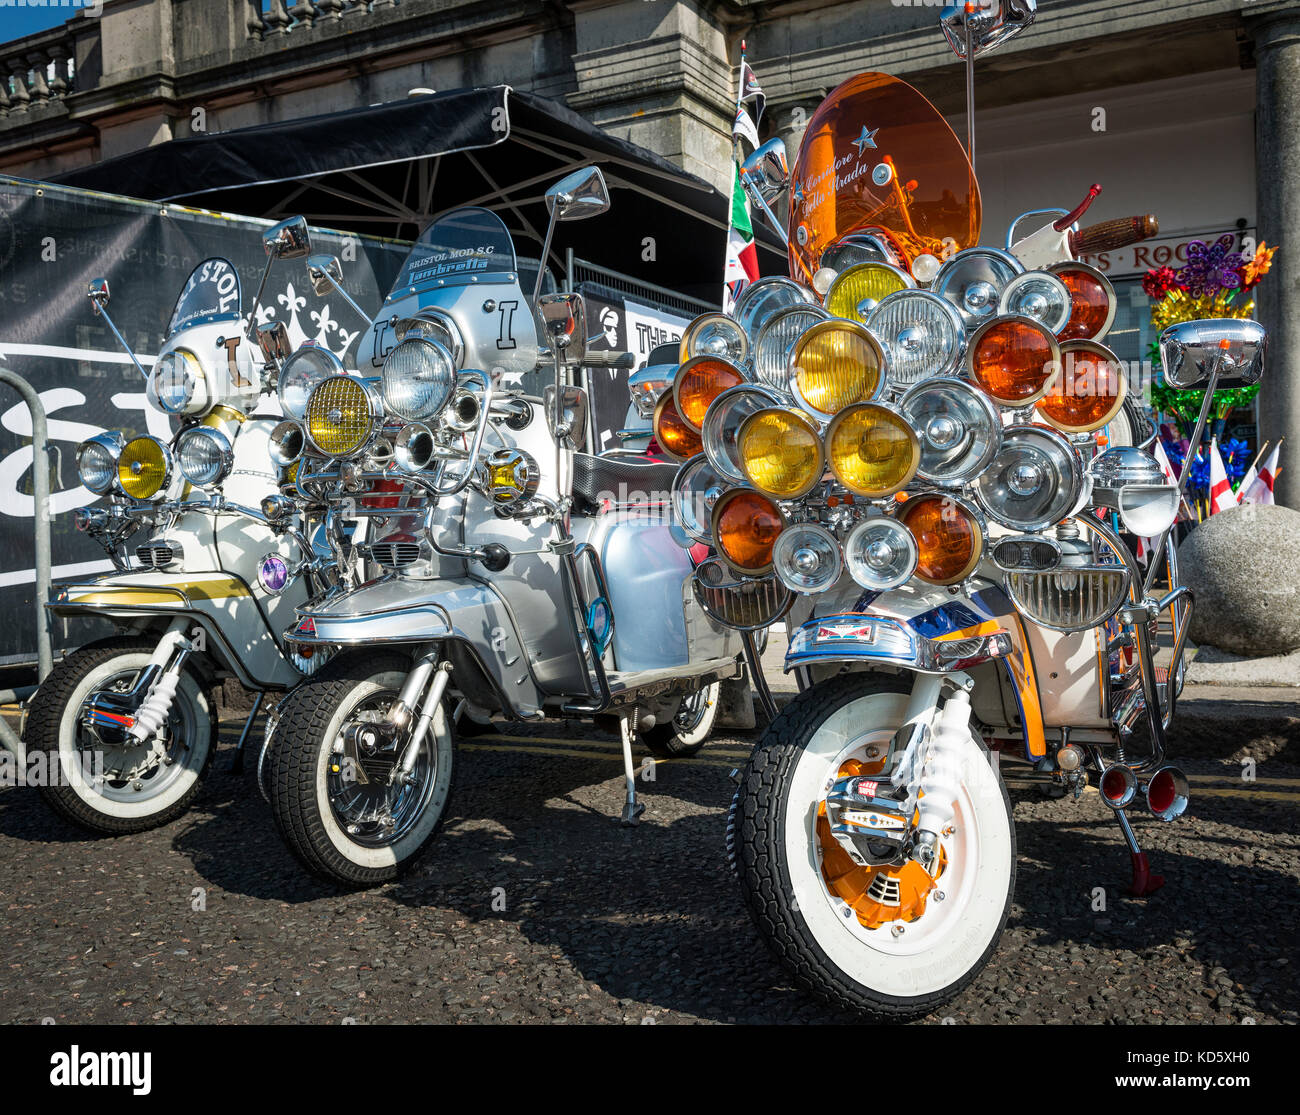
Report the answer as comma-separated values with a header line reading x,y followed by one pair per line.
x,y
632,809
1144,883
237,761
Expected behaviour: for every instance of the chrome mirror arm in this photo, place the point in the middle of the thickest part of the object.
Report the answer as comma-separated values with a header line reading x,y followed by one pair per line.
x,y
756,195
99,301
324,272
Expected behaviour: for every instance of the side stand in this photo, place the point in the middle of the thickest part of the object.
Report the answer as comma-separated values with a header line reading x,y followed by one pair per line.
x,y
632,809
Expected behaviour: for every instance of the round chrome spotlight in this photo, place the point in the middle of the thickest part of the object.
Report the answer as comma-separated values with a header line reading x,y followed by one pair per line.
x,y
696,488
880,554
974,280
807,558
959,428
1034,481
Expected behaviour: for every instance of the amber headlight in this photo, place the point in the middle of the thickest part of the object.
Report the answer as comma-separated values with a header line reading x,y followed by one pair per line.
x,y
781,452
97,461
745,528
834,364
1089,390
949,538
858,290
872,451
342,413
1092,301
698,382
678,441
144,467
1014,359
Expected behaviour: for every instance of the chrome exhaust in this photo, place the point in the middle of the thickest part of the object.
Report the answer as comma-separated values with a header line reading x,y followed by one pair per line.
x,y
1167,793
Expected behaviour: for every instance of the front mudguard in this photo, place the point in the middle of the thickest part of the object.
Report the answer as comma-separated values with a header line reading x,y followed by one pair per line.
x,y
222,606
921,628
490,664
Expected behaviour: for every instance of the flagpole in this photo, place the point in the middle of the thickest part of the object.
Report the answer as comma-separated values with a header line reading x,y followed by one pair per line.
x,y
731,186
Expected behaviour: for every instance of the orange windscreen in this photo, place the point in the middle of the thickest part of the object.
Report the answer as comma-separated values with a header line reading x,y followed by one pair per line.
x,y
878,155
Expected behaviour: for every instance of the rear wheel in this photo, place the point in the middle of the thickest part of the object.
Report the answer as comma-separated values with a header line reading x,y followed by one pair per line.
x,y
112,785
689,729
887,939
346,811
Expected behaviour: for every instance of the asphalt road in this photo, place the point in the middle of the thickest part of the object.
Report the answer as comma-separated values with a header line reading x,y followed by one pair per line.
x,y
535,905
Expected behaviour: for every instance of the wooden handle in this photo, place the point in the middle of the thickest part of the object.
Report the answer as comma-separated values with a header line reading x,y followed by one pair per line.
x,y
1110,235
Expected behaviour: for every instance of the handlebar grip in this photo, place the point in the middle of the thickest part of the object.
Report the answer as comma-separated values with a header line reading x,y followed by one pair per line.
x,y
609,360
1110,235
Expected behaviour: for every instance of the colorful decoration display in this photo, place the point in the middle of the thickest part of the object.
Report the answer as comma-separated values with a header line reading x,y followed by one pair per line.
x,y
1214,284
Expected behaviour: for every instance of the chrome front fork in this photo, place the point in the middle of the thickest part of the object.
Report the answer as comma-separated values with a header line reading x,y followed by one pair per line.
x,y
415,707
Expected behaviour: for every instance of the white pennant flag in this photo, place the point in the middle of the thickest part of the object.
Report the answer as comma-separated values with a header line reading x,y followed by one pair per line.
x,y
744,127
1222,496
1260,490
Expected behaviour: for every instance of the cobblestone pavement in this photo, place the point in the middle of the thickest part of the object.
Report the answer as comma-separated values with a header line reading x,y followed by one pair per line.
x,y
535,905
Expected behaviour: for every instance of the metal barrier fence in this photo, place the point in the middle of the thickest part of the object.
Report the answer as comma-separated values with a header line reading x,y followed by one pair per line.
x,y
580,271
41,559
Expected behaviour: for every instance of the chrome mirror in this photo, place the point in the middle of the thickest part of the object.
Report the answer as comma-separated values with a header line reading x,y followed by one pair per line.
x,y
273,340
325,273
564,322
568,416
97,292
579,195
288,240
991,23
768,169
1189,352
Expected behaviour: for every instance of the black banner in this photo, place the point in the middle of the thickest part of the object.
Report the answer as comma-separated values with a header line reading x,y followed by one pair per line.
x,y
53,241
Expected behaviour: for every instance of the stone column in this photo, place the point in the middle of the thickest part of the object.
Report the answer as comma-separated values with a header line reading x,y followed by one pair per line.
x,y
1277,160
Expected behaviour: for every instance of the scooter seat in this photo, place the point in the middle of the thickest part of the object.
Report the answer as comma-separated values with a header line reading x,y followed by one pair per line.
x,y
619,481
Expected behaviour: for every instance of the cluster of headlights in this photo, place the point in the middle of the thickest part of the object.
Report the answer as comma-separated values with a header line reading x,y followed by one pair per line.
x,y
869,433
331,414
146,467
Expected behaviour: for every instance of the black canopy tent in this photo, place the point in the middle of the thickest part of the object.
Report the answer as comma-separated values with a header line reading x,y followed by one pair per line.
x,y
389,169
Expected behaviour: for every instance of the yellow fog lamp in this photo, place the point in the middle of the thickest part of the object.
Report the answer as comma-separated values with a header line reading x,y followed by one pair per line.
x,y
834,364
144,467
341,415
872,451
857,291
780,452
512,478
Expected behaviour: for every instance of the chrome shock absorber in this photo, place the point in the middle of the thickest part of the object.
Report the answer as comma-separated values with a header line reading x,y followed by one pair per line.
x,y
947,747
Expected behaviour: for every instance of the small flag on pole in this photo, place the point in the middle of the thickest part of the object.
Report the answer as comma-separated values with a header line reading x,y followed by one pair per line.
x,y
744,127
749,87
1261,488
742,256
1222,496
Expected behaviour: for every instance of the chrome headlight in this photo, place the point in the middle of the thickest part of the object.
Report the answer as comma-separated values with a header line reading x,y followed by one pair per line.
x,y
434,327
342,414
921,333
743,603
177,383
974,280
97,461
648,384
715,335
204,455
958,427
1035,481
722,422
763,297
880,553
286,443
301,373
807,558
1039,295
775,340
696,488
419,377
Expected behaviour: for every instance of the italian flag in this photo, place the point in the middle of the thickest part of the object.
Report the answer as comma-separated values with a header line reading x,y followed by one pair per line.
x,y
742,256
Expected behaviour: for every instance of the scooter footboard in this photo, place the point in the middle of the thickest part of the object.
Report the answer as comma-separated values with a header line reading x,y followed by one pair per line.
x,y
470,618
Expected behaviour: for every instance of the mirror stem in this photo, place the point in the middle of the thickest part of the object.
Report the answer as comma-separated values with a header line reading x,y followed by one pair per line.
x,y
541,263
1193,447
122,341
346,296
251,331
757,196
970,94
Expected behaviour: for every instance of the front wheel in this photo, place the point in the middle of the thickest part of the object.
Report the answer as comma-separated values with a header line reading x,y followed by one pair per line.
x,y
890,941
344,808
100,778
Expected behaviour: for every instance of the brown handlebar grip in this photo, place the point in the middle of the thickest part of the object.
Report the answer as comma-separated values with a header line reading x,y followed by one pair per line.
x,y
1109,235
